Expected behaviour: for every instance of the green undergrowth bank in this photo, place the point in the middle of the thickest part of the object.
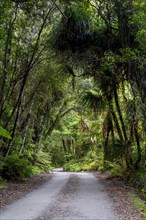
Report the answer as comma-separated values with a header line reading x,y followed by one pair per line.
x,y
17,167
91,162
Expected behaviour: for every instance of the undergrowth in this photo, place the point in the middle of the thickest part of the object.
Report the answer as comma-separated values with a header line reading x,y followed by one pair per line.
x,y
140,204
91,162
3,183
17,167
138,179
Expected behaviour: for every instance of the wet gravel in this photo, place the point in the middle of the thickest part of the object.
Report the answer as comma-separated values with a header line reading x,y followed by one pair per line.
x,y
60,208
77,198
16,190
120,192
67,196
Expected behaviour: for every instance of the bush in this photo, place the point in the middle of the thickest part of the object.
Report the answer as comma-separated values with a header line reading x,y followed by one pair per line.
x,y
15,168
73,166
3,183
114,168
1,164
42,161
36,170
138,179
90,162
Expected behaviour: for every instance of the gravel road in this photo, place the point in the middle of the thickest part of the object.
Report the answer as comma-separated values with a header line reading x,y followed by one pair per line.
x,y
67,196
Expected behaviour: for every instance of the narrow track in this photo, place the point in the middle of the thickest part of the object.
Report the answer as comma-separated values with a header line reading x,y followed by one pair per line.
x,y
67,196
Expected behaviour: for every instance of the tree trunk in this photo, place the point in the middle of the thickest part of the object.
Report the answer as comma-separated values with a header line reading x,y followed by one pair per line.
x,y
7,56
115,118
120,113
106,145
64,145
138,146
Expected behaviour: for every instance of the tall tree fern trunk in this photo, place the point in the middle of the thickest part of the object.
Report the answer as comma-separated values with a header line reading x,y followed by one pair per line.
x,y
120,113
106,145
138,146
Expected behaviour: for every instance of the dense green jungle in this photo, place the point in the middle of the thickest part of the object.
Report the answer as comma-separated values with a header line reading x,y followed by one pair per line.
x,y
73,87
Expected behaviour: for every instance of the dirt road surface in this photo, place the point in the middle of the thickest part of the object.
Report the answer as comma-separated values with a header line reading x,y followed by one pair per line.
x,y
67,196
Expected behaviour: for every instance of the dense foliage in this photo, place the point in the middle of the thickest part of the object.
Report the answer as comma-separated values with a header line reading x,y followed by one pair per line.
x,y
73,86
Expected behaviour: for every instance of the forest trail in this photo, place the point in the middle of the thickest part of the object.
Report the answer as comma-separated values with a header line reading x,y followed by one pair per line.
x,y
67,196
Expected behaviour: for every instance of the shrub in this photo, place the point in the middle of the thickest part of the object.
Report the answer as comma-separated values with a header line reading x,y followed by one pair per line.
x,y
138,179
1,164
73,166
85,164
3,183
90,162
42,161
36,170
114,167
16,168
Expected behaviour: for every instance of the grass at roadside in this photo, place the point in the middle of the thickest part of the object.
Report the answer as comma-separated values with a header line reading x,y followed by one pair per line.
x,y
3,184
140,204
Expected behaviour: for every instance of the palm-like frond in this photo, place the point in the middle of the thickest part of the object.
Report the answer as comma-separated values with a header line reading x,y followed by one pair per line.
x,y
73,31
93,100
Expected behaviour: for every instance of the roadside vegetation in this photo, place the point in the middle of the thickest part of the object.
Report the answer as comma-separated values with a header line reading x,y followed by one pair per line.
x,y
140,204
73,88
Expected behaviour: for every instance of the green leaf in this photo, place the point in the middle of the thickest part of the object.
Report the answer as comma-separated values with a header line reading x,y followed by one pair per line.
x,y
4,133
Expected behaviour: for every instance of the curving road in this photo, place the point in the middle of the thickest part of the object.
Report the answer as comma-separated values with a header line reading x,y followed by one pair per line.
x,y
67,196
